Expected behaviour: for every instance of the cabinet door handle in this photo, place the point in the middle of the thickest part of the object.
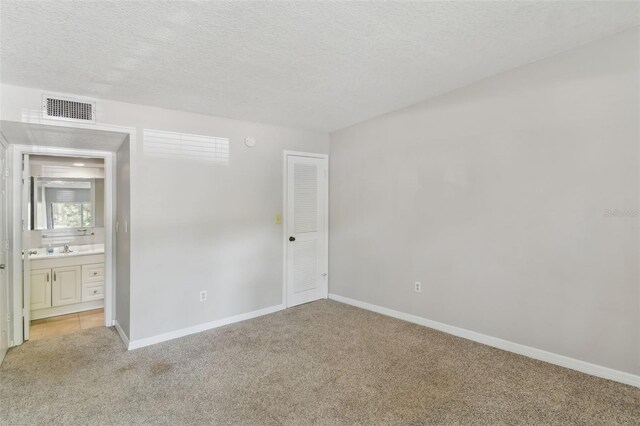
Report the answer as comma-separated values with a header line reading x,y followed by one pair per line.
x,y
54,276
95,273
47,277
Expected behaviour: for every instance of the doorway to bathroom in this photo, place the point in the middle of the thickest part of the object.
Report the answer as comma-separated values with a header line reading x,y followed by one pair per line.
x,y
63,267
71,274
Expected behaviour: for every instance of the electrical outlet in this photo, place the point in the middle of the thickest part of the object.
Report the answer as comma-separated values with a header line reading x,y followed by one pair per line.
x,y
203,295
418,287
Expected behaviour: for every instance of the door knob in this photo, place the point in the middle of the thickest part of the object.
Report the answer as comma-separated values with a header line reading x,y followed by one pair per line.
x,y
292,238
2,266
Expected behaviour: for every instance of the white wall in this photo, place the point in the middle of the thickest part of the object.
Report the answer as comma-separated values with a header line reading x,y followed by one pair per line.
x,y
495,197
196,225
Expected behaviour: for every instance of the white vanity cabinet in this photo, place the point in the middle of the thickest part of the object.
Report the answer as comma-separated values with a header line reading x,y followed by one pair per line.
x,y
40,289
65,285
92,282
55,287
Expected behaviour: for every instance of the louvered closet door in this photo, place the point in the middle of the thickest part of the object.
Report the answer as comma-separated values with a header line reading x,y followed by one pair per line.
x,y
306,222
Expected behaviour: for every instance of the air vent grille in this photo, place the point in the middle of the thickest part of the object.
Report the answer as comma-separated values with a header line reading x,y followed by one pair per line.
x,y
68,109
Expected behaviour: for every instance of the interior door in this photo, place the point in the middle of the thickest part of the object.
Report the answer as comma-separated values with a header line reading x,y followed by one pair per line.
x,y
306,229
4,248
66,287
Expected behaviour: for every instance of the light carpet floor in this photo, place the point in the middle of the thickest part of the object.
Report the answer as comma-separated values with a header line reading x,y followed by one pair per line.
x,y
320,363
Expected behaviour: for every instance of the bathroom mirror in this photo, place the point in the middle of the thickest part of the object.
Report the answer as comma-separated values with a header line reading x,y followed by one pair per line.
x,y
66,203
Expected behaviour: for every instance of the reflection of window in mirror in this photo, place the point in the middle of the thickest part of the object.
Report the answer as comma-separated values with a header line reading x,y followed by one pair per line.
x,y
71,215
62,203
66,193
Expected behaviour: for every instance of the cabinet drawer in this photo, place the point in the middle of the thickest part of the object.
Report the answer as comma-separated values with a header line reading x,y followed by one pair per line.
x,y
93,273
92,292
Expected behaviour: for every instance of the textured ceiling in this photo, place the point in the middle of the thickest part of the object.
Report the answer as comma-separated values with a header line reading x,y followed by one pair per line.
x,y
313,65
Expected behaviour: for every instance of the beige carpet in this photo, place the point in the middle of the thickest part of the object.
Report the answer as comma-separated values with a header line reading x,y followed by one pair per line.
x,y
320,363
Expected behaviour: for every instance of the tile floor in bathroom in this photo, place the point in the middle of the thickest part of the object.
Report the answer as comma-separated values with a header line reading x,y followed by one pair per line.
x,y
66,324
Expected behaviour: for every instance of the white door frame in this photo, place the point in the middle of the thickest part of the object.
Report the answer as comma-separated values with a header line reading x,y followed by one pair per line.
x,y
4,274
25,240
19,293
285,235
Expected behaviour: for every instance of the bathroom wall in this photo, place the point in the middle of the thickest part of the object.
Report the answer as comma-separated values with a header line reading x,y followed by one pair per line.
x,y
197,223
60,240
514,201
99,202
123,240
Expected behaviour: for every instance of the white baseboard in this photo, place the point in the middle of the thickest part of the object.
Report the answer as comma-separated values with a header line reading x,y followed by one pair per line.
x,y
147,341
66,309
122,334
539,354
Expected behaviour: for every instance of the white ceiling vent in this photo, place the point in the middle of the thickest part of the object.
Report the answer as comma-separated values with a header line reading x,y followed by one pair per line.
x,y
56,107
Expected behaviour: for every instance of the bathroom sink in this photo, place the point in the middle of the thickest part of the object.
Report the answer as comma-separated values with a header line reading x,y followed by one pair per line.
x,y
81,250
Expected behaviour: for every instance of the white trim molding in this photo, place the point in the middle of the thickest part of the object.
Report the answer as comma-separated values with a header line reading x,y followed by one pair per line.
x,y
528,351
122,334
148,341
66,309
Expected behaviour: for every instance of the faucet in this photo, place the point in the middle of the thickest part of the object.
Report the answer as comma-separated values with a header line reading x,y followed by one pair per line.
x,y
66,249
